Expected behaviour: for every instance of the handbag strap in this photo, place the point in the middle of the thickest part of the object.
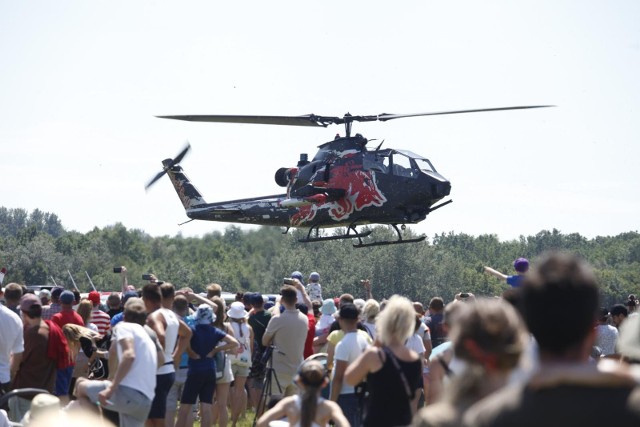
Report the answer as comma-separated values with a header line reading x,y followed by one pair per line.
x,y
405,383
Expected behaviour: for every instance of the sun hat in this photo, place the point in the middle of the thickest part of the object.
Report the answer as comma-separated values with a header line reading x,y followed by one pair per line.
x,y
205,315
42,406
314,277
328,307
237,311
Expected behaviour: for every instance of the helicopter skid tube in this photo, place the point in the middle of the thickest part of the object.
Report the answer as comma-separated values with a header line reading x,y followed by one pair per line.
x,y
400,240
340,237
391,242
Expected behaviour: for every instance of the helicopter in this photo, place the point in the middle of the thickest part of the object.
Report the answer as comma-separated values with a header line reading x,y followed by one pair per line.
x,y
345,184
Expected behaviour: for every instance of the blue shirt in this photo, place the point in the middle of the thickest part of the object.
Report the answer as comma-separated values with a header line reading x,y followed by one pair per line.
x,y
204,339
515,281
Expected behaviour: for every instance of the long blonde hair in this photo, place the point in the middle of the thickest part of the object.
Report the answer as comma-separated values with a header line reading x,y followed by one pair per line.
x,y
84,310
73,334
397,320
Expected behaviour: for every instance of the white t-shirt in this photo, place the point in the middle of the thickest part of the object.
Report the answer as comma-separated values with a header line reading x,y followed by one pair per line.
x,y
415,343
142,375
11,340
349,349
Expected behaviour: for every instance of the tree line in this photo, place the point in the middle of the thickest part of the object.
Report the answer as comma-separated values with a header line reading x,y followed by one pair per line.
x,y
37,249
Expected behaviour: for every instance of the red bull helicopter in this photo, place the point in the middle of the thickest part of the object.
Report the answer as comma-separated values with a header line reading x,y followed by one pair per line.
x,y
346,184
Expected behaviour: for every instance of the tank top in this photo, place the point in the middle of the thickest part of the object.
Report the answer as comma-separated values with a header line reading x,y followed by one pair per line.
x,y
170,340
388,402
244,358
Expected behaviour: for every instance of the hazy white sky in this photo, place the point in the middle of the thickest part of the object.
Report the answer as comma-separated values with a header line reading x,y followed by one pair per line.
x,y
80,83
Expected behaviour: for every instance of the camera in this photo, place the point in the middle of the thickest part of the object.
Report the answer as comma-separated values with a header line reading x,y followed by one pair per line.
x,y
288,281
147,277
117,269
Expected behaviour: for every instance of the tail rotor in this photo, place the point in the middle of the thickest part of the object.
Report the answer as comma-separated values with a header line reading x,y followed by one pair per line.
x,y
168,165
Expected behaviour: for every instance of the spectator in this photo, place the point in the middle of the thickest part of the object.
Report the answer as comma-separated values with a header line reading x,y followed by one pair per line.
x,y
489,337
632,305
311,330
181,309
521,265
98,317
348,349
66,316
606,335
12,294
287,332
55,306
307,409
85,309
393,372
241,361
224,374
45,297
629,340
566,390
11,346
114,303
36,369
214,290
619,314
120,316
435,321
201,377
369,313
416,343
131,391
298,276
82,348
173,335
258,320
314,288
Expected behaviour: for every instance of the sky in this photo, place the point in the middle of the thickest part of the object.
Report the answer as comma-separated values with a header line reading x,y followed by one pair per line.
x,y
81,83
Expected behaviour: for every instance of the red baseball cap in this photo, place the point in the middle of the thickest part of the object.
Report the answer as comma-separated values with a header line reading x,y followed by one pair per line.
x,y
94,297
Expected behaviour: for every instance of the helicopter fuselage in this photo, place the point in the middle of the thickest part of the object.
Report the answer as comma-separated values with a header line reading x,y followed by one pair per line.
x,y
343,185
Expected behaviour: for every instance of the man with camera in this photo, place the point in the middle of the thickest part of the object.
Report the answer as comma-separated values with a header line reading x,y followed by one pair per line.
x,y
287,332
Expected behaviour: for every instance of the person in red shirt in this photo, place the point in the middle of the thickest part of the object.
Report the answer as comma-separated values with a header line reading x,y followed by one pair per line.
x,y
65,316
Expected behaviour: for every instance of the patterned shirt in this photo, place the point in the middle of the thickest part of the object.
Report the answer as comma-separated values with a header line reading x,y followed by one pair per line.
x,y
50,310
101,320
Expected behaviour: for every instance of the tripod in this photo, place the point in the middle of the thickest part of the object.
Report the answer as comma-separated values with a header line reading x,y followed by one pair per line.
x,y
267,385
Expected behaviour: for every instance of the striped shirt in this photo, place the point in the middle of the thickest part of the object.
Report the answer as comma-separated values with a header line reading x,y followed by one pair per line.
x,y
101,320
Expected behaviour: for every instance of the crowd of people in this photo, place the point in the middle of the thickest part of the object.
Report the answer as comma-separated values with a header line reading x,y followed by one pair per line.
x,y
543,353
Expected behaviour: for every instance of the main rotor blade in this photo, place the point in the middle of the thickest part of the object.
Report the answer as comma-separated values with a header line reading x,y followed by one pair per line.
x,y
307,120
385,117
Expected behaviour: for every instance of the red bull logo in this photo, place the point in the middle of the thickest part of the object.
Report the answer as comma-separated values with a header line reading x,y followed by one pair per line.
x,y
361,191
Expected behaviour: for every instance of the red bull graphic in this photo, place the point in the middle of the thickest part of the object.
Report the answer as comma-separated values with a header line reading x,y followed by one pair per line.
x,y
361,191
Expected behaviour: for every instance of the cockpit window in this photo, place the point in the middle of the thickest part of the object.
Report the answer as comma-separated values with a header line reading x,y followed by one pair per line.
x,y
424,165
402,166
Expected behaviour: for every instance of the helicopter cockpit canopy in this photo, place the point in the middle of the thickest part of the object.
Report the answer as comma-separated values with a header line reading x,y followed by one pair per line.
x,y
400,163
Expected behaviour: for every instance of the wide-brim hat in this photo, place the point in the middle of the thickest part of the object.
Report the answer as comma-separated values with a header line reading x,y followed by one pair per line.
x,y
328,307
42,405
237,311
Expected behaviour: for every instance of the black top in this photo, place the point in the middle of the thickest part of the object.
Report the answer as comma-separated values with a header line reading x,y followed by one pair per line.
x,y
388,403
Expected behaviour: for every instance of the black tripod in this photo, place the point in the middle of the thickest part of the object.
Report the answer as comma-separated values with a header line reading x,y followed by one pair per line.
x,y
267,385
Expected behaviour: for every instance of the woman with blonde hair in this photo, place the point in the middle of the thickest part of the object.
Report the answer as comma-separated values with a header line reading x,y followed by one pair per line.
x,y
393,371
82,349
223,383
84,309
308,409
489,337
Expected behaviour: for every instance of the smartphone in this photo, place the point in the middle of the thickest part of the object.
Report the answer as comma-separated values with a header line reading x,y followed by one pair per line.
x,y
117,269
288,281
147,277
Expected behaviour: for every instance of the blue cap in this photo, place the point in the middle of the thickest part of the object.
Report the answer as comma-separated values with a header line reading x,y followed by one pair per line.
x,y
297,275
67,297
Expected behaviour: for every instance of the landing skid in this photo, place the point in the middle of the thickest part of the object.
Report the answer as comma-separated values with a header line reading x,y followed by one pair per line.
x,y
347,235
400,240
